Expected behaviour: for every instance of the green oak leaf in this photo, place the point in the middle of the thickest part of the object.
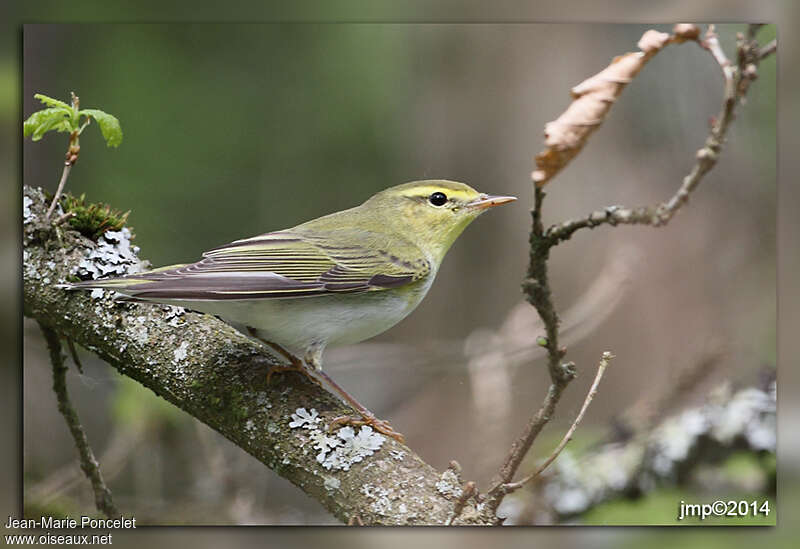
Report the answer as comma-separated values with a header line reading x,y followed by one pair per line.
x,y
109,126
54,118
50,102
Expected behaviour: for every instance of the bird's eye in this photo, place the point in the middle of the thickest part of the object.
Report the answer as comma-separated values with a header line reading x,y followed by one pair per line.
x,y
437,199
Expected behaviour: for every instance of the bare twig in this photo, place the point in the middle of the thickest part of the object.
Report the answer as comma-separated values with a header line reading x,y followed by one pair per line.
x,y
74,354
604,362
711,43
89,465
537,290
63,218
768,50
752,29
565,137
71,157
737,79
520,447
461,502
61,183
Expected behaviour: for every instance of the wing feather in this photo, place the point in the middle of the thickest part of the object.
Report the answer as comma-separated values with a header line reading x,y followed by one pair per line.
x,y
280,265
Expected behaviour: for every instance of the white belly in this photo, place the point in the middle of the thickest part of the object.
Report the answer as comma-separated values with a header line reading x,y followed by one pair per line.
x,y
298,323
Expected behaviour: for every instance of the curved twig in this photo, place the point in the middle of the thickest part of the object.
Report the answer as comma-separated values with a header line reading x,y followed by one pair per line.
x,y
102,495
601,369
565,137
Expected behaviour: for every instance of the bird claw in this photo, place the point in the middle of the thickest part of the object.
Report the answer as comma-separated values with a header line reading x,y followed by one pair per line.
x,y
379,425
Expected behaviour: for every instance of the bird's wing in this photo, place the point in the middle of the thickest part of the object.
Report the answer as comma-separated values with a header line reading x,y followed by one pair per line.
x,y
280,265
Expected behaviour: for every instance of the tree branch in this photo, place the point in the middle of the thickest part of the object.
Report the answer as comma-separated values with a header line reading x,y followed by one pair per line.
x,y
604,362
102,495
565,137
218,376
662,454
768,49
737,80
537,289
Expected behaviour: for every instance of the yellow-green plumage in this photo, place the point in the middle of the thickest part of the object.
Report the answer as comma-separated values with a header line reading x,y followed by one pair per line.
x,y
337,279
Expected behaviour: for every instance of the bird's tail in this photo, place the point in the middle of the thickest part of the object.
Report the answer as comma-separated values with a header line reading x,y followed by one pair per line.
x,y
123,284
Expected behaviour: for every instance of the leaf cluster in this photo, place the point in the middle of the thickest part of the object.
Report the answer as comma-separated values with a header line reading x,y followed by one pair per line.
x,y
61,117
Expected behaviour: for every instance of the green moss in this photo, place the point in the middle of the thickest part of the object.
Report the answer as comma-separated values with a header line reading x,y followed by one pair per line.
x,y
92,220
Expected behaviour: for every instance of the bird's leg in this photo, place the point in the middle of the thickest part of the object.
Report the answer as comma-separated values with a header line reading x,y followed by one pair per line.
x,y
367,417
295,363
313,358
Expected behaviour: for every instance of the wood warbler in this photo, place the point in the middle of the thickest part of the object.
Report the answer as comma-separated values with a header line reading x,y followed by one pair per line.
x,y
335,280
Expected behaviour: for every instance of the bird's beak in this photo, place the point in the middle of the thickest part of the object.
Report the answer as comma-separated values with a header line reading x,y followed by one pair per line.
x,y
488,201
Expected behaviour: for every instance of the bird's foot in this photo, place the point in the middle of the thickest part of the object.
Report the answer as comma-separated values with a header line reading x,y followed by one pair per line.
x,y
379,425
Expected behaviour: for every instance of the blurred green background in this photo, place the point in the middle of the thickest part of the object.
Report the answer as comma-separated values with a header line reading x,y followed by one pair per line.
x,y
233,130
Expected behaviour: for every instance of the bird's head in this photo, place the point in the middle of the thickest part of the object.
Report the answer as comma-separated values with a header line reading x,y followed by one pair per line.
x,y
432,213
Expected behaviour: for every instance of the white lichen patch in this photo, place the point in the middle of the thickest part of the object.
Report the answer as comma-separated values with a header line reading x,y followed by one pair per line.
x,y
113,256
677,438
448,484
250,427
741,415
324,443
397,454
574,484
340,451
172,314
381,504
354,448
138,332
331,484
180,353
303,418
97,293
27,215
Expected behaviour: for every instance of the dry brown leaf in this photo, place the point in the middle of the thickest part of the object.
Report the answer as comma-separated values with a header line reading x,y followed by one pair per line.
x,y
566,136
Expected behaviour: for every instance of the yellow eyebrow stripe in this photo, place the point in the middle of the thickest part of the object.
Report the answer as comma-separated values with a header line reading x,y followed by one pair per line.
x,y
421,192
